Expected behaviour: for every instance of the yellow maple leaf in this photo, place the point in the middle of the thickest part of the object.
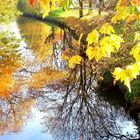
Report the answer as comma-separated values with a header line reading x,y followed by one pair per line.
x,y
116,40
106,46
80,37
117,73
94,52
107,29
127,83
75,60
122,14
136,52
90,53
124,75
93,37
133,71
137,36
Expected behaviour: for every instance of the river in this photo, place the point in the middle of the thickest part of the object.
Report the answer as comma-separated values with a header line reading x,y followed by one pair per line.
x,y
36,100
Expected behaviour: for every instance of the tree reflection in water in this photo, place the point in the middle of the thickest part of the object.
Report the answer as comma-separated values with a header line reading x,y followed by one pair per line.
x,y
82,113
14,112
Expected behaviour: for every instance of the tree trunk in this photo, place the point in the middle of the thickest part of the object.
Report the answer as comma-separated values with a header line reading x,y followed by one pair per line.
x,y
90,6
101,5
80,8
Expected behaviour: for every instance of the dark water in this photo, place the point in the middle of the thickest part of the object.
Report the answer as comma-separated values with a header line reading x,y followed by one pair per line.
x,y
38,103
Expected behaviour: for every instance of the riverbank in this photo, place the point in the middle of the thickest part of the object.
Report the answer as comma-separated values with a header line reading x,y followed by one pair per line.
x,y
64,20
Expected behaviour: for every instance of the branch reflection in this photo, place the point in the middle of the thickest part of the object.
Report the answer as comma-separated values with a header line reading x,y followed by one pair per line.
x,y
79,113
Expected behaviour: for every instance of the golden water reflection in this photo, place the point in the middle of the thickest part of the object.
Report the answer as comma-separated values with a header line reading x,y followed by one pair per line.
x,y
23,67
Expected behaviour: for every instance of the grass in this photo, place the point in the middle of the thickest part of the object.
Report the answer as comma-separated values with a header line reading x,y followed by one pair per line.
x,y
74,13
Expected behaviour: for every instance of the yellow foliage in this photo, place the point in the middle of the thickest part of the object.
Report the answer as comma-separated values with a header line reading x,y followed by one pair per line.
x,y
133,71
47,6
80,37
117,73
93,37
116,40
75,60
137,36
122,75
110,44
106,29
136,52
45,76
122,14
107,46
128,74
94,52
131,18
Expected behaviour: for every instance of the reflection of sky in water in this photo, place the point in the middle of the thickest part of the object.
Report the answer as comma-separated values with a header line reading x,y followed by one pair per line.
x,y
124,125
128,127
11,27
32,131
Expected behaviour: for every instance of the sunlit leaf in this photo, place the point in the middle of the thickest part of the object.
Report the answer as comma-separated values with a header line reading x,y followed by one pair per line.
x,y
132,18
116,40
80,37
93,37
94,52
122,14
32,2
137,36
117,73
136,52
75,60
107,29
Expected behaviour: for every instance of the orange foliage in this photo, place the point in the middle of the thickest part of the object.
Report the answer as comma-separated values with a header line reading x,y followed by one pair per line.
x,y
7,84
67,54
32,2
123,2
132,18
46,76
136,2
